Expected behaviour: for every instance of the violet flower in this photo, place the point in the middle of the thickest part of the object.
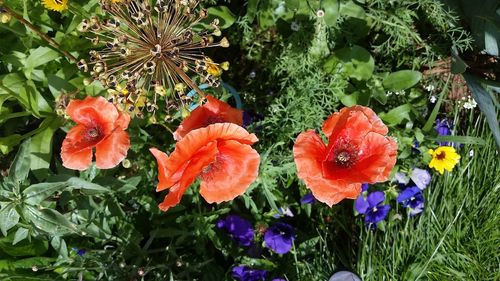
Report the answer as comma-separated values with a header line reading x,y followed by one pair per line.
x,y
420,177
279,237
443,129
239,229
372,209
413,198
245,273
307,199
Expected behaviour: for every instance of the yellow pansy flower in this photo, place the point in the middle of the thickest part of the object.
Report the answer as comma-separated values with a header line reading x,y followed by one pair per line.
x,y
55,5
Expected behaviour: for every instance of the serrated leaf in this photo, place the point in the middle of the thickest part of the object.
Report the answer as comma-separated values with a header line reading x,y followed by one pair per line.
x,y
8,217
401,80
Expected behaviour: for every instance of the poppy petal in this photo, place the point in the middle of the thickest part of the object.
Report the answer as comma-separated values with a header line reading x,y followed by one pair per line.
x,y
112,150
75,153
165,182
92,110
332,192
196,139
309,151
198,162
235,168
378,159
337,120
122,121
214,111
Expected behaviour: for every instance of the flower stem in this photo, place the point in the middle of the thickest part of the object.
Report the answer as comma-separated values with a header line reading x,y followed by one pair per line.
x,y
42,35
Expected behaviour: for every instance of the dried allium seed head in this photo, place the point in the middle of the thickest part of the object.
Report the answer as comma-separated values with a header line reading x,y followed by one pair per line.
x,y
156,41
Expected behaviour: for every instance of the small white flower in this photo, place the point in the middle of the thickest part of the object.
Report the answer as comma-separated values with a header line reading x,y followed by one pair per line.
x,y
429,88
470,103
433,99
471,153
320,13
295,26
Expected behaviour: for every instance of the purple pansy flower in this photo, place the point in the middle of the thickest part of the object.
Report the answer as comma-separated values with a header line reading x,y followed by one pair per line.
x,y
364,187
79,252
238,228
443,129
421,178
307,199
412,197
245,273
279,237
279,279
372,209
401,178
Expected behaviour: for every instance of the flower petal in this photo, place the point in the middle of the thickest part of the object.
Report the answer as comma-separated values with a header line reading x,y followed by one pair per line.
x,y
214,111
93,110
76,154
361,205
377,216
196,139
235,168
112,150
200,160
337,120
375,198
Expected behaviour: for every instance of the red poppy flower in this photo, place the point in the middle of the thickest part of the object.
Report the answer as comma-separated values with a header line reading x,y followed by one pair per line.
x,y
99,125
220,154
213,111
357,152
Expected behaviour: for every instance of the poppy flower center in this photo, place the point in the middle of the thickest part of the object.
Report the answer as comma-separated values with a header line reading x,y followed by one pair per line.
x,y
93,134
441,155
345,158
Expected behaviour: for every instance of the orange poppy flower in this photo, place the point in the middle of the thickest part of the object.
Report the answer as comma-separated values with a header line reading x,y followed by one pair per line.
x,y
99,124
220,154
213,111
357,152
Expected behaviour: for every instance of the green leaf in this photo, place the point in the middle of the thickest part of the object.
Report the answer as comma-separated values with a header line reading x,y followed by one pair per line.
x,y
486,102
8,217
396,115
432,117
91,188
332,12
353,10
356,62
458,65
20,167
60,246
401,80
21,234
9,142
34,247
36,193
41,148
50,221
38,57
225,16
252,9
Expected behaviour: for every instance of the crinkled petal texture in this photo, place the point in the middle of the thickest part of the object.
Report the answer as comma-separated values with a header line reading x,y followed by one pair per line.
x,y
357,152
214,111
220,154
309,152
100,125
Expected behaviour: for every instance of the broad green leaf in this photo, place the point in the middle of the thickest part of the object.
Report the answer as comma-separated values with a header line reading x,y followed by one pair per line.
x,y
8,217
458,65
396,115
90,188
20,235
486,102
28,263
50,221
352,10
356,62
38,57
332,12
26,247
58,84
20,167
350,100
225,16
36,193
60,246
252,9
41,148
9,142
401,80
